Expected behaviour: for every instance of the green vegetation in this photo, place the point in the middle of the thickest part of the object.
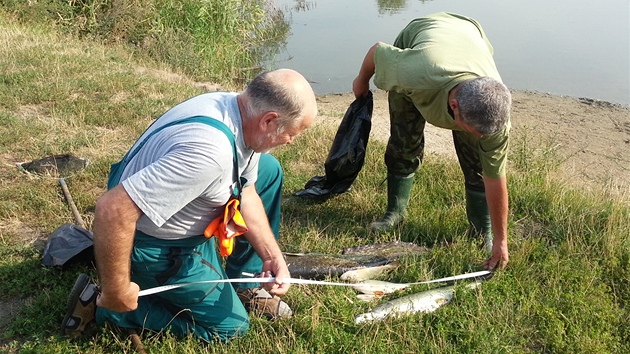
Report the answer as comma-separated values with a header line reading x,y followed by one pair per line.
x,y
223,41
61,91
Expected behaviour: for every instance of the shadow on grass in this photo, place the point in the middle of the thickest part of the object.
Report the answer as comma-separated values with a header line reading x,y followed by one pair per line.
x,y
37,295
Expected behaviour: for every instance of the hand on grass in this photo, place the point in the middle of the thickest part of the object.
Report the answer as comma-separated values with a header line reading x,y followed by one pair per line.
x,y
499,258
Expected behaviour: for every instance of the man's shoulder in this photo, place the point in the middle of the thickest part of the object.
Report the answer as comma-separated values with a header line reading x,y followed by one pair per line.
x,y
221,106
218,98
447,16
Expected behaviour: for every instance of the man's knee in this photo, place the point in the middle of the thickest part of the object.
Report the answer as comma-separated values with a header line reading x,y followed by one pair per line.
x,y
270,174
225,333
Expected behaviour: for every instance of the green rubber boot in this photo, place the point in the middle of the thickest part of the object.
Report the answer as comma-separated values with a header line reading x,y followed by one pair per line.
x,y
398,191
479,218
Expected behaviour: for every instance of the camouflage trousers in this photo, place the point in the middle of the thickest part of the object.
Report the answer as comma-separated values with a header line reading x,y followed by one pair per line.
x,y
405,148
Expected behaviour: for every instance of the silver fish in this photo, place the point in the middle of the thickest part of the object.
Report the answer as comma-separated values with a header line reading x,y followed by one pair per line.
x,y
368,297
427,301
378,287
321,266
365,273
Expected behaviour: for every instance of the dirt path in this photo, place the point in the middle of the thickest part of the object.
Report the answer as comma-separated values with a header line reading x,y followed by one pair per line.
x,y
592,138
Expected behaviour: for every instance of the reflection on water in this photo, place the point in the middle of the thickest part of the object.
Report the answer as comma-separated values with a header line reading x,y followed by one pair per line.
x,y
577,48
391,6
301,5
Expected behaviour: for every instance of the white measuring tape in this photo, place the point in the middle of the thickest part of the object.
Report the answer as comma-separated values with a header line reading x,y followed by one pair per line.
x,y
160,289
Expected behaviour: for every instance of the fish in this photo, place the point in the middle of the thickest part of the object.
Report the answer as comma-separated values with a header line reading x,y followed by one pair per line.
x,y
366,273
390,250
319,266
378,287
425,302
366,260
60,165
368,297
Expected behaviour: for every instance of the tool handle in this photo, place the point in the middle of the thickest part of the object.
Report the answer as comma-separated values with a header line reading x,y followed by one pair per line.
x,y
73,207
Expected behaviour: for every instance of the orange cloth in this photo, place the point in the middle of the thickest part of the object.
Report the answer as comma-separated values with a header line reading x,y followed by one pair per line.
x,y
227,226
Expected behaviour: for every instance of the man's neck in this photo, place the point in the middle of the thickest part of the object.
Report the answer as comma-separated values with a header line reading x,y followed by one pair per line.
x,y
245,121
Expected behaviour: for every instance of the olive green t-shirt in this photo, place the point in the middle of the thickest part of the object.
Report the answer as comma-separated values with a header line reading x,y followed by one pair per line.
x,y
431,56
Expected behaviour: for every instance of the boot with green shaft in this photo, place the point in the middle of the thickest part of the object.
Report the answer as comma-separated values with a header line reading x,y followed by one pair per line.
x,y
479,218
398,191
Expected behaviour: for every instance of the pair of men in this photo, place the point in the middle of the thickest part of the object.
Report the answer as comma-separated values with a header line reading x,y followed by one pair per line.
x,y
187,171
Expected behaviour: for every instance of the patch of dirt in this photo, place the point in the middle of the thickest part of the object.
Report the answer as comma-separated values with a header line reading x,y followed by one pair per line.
x,y
591,138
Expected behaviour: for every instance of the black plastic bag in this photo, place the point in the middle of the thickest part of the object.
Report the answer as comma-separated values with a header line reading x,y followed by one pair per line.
x,y
67,244
347,154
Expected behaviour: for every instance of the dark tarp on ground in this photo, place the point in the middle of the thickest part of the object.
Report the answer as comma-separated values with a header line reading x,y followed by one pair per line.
x,y
347,154
68,243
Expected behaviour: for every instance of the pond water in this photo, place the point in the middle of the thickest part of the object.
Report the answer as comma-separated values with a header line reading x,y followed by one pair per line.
x,y
578,48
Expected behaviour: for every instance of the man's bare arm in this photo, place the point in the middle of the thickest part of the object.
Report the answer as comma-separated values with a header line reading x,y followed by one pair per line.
x,y
114,229
262,239
361,84
498,205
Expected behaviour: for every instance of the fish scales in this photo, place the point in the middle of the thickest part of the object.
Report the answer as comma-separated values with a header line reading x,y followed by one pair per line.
x,y
425,302
320,266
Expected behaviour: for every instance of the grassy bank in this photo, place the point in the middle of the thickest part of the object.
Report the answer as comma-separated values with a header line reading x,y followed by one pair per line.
x,y
565,290
223,41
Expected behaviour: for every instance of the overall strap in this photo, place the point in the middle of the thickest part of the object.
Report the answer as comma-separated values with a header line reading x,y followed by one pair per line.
x,y
117,168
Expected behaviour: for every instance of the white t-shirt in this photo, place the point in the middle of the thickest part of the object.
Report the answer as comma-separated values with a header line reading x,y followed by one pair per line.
x,y
181,178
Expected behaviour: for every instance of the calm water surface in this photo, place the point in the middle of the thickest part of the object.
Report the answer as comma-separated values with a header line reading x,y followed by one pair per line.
x,y
576,48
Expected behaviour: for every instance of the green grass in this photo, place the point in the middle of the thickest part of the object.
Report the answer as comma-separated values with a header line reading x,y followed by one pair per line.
x,y
565,290
224,41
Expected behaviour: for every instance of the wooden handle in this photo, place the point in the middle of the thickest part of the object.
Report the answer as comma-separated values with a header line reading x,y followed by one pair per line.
x,y
75,211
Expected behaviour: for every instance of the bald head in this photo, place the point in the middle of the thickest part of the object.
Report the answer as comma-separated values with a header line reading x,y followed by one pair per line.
x,y
284,91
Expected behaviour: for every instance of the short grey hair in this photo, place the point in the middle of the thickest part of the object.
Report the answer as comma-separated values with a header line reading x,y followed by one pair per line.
x,y
484,104
266,93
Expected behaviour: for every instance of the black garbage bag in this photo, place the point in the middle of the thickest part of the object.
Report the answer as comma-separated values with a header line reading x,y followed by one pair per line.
x,y
347,154
68,244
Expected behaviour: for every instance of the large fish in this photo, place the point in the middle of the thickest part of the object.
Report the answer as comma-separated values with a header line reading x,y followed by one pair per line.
x,y
366,273
378,287
61,165
321,266
357,263
427,301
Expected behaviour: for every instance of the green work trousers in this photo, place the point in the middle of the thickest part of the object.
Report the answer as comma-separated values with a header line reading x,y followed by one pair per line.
x,y
405,148
210,311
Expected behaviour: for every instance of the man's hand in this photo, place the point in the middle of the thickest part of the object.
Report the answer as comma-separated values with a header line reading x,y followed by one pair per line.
x,y
121,301
277,268
499,258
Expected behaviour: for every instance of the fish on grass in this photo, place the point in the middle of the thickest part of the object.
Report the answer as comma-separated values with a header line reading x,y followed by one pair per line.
x,y
425,302
61,165
355,264
366,273
378,287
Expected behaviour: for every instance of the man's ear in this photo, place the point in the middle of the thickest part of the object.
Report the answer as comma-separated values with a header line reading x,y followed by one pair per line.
x,y
453,104
268,121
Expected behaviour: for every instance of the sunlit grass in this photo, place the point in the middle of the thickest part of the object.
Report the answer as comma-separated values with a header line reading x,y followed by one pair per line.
x,y
224,41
